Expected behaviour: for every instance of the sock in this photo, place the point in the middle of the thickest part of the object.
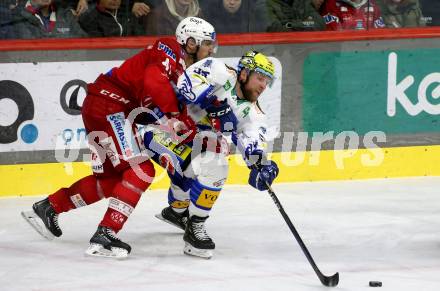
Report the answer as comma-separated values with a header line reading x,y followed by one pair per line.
x,y
126,195
84,192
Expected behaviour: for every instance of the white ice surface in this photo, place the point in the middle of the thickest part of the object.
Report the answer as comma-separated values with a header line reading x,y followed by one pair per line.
x,y
385,230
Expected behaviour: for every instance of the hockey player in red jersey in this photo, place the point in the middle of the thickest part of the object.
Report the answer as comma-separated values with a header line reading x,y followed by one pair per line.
x,y
351,15
121,171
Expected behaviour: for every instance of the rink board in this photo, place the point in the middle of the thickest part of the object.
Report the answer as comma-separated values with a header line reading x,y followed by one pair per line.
x,y
37,179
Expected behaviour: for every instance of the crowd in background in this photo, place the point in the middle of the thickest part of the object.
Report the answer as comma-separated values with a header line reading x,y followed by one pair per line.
x,y
28,19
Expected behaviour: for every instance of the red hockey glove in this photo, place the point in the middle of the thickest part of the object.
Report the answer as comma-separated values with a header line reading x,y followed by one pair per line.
x,y
182,127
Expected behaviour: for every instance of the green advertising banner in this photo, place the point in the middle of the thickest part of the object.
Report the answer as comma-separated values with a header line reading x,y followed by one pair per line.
x,y
391,91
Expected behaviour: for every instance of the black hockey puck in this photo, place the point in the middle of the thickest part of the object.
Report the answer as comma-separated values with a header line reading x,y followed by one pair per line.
x,y
375,284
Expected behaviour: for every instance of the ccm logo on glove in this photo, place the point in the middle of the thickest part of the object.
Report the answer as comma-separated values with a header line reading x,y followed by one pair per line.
x,y
220,112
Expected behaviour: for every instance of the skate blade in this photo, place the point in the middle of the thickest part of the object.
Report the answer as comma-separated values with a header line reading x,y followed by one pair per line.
x,y
160,217
201,253
96,250
35,221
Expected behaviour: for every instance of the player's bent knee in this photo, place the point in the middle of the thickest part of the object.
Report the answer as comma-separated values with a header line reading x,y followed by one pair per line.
x,y
213,170
139,176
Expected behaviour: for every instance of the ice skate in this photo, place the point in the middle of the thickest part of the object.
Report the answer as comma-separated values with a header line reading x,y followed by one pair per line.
x,y
104,243
197,241
43,219
174,218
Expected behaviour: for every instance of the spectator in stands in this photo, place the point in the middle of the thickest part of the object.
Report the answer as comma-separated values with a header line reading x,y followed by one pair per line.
x,y
134,14
41,19
290,15
7,11
102,20
352,14
317,4
164,18
431,12
402,13
227,16
78,7
141,8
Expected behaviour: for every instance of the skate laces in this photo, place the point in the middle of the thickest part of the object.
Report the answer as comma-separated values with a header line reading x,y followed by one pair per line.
x,y
111,233
53,216
200,231
184,217
55,221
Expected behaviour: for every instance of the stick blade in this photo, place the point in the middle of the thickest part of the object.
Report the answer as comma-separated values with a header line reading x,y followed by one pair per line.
x,y
330,281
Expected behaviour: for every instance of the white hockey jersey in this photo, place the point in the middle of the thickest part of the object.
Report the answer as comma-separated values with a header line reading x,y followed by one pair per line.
x,y
211,79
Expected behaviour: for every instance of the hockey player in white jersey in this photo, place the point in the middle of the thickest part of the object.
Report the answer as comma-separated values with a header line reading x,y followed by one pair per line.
x,y
222,101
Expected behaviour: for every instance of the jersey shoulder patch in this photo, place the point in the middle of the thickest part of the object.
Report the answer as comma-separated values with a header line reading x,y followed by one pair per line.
x,y
167,47
214,71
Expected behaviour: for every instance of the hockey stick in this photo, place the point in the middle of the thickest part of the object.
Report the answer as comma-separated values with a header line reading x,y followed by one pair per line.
x,y
329,281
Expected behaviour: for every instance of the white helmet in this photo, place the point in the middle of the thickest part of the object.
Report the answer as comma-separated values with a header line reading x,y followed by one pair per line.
x,y
196,28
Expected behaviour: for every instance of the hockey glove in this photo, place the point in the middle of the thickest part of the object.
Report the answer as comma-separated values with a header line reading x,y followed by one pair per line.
x,y
222,117
182,127
260,177
254,156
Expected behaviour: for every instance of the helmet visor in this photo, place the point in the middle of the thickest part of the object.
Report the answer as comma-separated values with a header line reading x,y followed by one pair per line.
x,y
269,78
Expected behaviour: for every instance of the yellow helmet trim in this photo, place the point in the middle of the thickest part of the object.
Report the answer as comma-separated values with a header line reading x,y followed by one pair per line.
x,y
256,61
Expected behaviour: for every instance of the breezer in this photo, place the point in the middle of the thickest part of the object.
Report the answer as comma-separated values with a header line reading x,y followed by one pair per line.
x,y
114,96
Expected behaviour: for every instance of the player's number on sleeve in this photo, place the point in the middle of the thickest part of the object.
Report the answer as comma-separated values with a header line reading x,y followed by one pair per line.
x,y
167,66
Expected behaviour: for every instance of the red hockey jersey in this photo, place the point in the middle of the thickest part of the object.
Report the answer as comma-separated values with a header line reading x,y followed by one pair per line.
x,y
144,80
351,14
